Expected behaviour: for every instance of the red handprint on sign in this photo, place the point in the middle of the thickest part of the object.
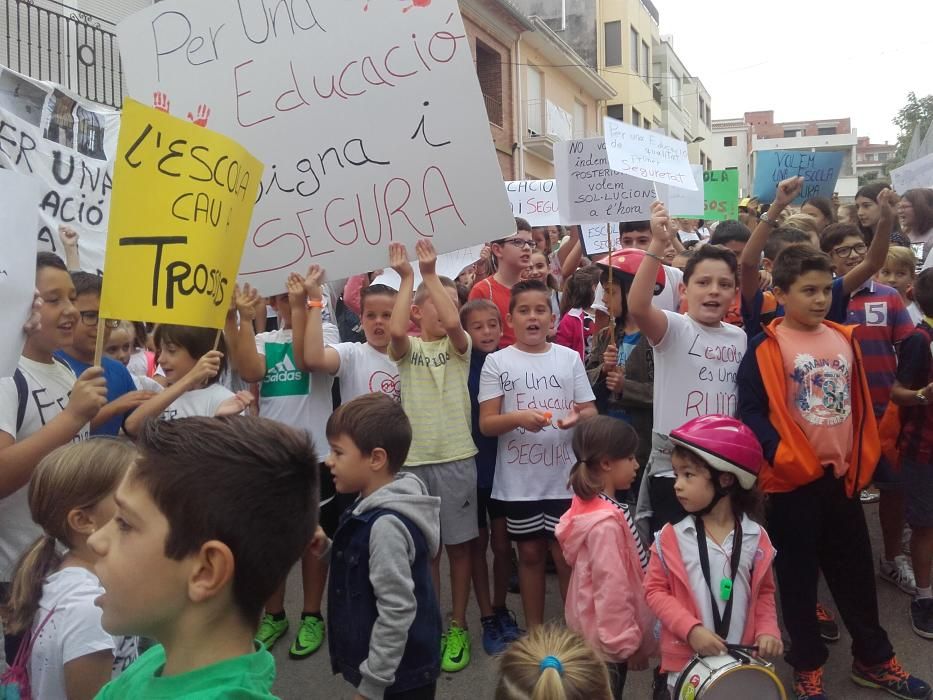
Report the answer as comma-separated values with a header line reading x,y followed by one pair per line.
x,y
203,114
160,101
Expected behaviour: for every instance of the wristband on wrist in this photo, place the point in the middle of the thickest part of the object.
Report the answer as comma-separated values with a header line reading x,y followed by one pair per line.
x,y
315,303
656,257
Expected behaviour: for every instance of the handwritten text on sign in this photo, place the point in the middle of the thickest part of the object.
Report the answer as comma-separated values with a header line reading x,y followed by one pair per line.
x,y
819,170
590,191
647,155
368,117
183,197
534,200
721,194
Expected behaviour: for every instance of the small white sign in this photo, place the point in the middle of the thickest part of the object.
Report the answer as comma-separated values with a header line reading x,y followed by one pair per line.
x,y
918,173
681,202
19,202
596,240
534,200
647,155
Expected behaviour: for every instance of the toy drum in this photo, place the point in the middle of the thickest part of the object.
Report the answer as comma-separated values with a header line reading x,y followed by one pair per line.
x,y
728,677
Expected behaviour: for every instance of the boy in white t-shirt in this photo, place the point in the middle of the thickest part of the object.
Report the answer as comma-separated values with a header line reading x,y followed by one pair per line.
x,y
290,394
43,407
530,394
362,368
696,358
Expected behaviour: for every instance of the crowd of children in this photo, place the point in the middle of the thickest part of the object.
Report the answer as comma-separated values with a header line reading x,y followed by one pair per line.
x,y
647,422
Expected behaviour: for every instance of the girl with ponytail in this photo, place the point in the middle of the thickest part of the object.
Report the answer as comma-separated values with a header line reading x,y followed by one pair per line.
x,y
53,589
606,601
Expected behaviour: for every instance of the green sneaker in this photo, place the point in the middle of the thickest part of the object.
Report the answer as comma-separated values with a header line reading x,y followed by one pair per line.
x,y
456,655
309,639
270,630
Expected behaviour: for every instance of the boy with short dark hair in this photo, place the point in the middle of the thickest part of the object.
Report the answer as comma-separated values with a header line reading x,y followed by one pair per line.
x,y
731,234
913,392
381,557
208,520
433,370
803,390
122,396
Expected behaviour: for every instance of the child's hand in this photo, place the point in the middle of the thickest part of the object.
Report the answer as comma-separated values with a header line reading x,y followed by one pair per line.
x,y
34,322
570,420
246,301
313,281
318,542
610,359
706,642
615,380
886,201
297,297
769,646
88,395
206,368
787,191
235,405
131,400
660,223
68,236
531,420
764,280
427,256
398,260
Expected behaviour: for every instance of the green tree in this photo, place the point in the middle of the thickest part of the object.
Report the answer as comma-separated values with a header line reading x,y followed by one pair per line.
x,y
917,114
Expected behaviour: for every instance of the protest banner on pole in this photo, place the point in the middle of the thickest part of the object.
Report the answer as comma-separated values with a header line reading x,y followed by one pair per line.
x,y
183,198
819,169
590,191
534,200
19,197
918,173
595,238
721,195
67,143
448,265
367,115
681,202
647,155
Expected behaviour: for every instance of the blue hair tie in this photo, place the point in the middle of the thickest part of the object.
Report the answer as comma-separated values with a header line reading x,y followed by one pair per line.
x,y
551,662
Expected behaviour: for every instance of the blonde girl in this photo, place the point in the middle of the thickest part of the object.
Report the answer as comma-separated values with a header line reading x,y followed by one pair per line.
x,y
53,589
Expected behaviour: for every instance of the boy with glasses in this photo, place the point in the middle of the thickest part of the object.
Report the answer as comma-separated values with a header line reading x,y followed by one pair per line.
x,y
512,255
122,396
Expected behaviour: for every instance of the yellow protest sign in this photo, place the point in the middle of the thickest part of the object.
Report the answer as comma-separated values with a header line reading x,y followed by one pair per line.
x,y
182,201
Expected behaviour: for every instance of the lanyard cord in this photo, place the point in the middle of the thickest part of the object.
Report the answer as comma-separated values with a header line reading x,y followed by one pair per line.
x,y
721,622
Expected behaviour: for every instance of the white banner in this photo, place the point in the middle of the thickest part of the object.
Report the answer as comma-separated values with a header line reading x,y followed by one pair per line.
x,y
590,191
534,200
918,173
367,115
681,202
647,155
19,196
66,143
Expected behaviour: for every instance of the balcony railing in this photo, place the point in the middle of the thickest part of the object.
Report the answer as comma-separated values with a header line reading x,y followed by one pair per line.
x,y
75,49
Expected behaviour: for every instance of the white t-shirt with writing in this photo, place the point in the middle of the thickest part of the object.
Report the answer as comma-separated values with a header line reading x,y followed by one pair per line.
x,y
298,399
534,466
49,386
73,630
695,369
198,402
365,370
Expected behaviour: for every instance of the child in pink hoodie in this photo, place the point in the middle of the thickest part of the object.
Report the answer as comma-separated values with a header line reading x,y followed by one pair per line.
x,y
605,601
709,580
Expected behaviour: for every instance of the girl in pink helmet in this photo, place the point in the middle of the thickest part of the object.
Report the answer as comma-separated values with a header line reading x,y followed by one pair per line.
x,y
709,580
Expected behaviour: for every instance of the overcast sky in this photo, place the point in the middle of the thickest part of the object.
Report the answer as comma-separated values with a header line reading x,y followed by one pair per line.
x,y
810,59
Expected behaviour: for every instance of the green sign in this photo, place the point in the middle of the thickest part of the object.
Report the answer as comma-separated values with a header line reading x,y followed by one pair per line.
x,y
721,193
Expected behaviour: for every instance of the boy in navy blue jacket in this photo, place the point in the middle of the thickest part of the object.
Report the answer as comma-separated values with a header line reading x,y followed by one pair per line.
x,y
384,622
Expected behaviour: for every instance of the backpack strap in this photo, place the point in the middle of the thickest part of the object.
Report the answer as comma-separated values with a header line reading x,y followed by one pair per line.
x,y
22,395
25,648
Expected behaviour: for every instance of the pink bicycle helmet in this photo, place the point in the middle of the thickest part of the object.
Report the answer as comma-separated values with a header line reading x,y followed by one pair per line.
x,y
625,263
726,444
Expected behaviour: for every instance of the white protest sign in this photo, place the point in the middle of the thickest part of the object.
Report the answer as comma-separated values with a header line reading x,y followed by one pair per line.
x,y
590,191
534,200
918,173
647,155
66,143
367,115
448,265
681,202
595,240
19,197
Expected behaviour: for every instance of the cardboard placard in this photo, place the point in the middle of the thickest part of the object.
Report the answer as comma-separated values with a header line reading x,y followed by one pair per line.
x,y
596,241
918,173
647,155
819,169
681,202
534,200
721,195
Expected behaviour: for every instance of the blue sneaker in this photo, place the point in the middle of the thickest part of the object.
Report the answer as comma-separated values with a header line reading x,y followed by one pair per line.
x,y
891,677
493,643
509,627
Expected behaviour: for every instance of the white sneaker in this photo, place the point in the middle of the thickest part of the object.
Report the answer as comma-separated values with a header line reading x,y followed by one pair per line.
x,y
905,540
899,572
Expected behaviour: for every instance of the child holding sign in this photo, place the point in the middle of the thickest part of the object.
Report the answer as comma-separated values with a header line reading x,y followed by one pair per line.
x,y
531,393
433,370
696,356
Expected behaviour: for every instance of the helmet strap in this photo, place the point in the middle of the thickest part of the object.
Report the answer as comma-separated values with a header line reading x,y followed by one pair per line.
x,y
719,491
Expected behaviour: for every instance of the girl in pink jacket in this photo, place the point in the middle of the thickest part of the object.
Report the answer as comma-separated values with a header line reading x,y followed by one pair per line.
x,y
709,580
605,601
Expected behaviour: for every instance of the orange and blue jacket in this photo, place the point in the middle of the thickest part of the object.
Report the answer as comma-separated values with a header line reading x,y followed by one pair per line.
x,y
789,460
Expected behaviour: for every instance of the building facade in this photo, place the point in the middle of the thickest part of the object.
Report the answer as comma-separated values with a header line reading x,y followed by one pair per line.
x,y
872,159
686,110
